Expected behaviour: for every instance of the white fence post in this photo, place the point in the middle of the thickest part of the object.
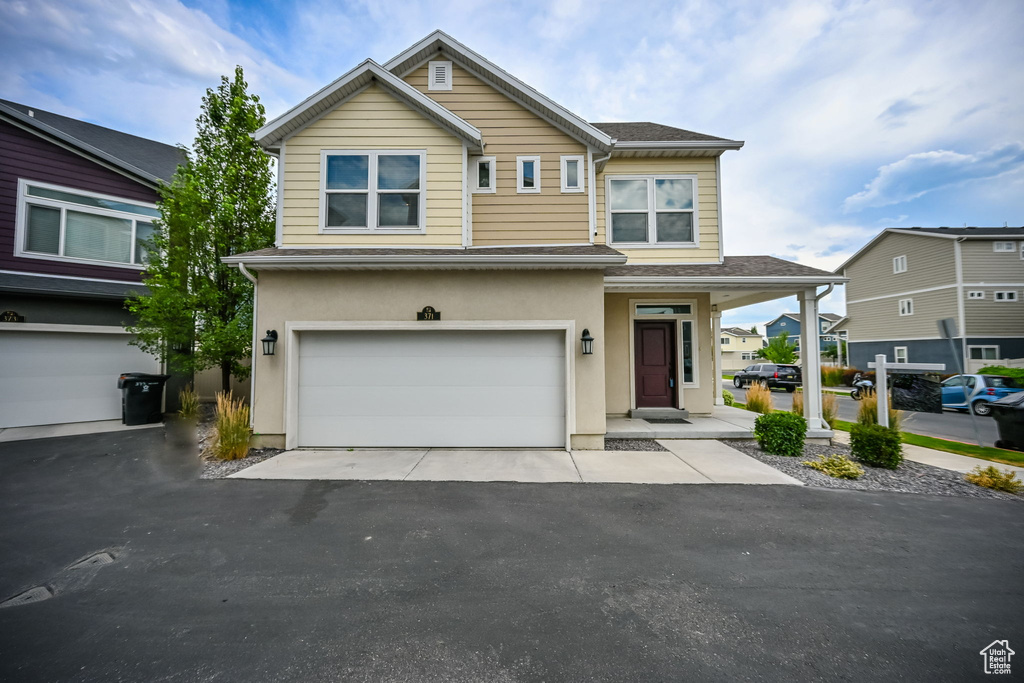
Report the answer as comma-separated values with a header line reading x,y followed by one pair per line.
x,y
881,391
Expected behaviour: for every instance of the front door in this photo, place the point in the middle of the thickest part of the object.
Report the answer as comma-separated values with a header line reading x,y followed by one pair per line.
x,y
655,363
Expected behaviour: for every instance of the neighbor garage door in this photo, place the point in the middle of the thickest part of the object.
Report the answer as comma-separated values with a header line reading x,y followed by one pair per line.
x,y
432,388
58,377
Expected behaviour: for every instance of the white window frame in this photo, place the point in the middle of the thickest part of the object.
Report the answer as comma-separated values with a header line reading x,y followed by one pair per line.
x,y
1004,247
21,222
580,173
724,340
782,323
1022,251
1004,295
475,174
652,210
906,307
899,264
976,294
536,175
897,352
372,193
432,83
983,347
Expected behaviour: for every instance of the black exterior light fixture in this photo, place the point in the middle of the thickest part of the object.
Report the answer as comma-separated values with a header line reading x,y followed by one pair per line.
x,y
269,342
588,343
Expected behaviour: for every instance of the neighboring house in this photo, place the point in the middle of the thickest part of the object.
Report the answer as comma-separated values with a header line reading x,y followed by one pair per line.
x,y
790,323
739,347
76,203
907,279
450,241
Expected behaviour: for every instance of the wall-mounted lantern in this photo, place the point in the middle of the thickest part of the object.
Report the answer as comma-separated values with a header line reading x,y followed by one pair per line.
x,y
269,342
588,343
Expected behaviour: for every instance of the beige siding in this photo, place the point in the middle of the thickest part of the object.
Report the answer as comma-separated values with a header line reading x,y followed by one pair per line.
x,y
373,120
987,316
707,207
981,264
930,263
509,130
880,319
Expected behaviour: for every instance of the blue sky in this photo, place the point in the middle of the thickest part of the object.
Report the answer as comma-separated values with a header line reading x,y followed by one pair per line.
x,y
858,115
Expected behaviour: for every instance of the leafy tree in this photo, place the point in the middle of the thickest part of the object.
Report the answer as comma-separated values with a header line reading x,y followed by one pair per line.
x,y
198,313
779,350
753,330
831,352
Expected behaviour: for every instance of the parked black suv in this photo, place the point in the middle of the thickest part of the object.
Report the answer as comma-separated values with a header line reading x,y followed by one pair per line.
x,y
771,375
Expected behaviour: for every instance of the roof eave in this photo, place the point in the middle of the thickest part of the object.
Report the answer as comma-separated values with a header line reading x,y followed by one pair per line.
x,y
781,281
687,145
419,260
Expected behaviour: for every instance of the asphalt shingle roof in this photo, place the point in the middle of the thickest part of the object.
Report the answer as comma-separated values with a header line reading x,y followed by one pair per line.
x,y
571,250
740,332
970,232
59,286
733,266
645,131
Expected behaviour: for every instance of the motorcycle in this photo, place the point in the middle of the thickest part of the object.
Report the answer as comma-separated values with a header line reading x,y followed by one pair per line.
x,y
862,386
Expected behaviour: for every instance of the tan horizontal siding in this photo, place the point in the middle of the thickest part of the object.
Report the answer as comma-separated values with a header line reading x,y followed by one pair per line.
x,y
509,130
707,207
930,263
880,319
981,264
372,120
990,317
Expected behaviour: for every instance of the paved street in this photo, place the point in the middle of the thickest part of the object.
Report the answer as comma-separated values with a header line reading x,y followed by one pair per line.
x,y
242,580
949,425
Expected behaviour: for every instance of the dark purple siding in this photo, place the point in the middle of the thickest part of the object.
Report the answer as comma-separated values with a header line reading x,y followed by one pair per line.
x,y
25,155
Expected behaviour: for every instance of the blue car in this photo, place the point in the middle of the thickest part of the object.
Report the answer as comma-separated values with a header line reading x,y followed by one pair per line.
x,y
981,390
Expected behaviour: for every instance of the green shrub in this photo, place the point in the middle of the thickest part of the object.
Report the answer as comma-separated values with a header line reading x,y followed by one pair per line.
x,y
759,399
780,433
727,397
231,441
838,466
1016,373
992,478
876,445
832,376
189,400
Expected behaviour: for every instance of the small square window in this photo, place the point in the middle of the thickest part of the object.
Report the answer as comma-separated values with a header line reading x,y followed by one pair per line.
x,y
977,294
899,264
906,307
1010,295
483,175
528,175
572,174
1006,247
899,354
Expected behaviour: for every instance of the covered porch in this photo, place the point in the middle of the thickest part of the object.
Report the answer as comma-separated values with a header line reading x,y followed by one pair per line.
x,y
724,422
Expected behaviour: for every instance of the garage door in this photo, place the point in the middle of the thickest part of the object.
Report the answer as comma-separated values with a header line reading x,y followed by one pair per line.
x,y
59,377
487,389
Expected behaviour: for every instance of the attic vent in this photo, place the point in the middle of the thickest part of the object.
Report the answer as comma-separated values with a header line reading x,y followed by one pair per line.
x,y
440,76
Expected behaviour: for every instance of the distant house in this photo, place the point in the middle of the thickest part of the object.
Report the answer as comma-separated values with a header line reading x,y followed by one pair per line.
x,y
790,323
739,347
907,279
77,204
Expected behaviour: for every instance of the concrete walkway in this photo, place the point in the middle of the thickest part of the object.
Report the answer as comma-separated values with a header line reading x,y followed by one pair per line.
x,y
942,459
691,461
725,422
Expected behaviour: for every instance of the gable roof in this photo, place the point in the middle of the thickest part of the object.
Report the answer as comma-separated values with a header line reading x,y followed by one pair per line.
x,y
941,233
740,332
440,42
146,159
828,317
640,135
313,107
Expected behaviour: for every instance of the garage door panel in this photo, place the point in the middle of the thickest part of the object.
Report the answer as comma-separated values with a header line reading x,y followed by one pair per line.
x,y
353,372
436,402
453,432
487,344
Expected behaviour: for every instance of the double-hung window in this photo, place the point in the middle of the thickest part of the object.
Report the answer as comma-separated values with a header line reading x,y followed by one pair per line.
x,y
653,210
68,224
906,306
372,190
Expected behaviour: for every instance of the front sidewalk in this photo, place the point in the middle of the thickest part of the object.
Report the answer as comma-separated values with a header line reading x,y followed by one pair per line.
x,y
725,422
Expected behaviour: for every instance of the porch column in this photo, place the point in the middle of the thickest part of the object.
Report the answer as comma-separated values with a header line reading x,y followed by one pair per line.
x,y
716,332
810,354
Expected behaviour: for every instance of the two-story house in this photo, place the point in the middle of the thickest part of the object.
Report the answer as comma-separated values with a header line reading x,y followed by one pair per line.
x,y
905,280
77,204
463,262
739,347
790,323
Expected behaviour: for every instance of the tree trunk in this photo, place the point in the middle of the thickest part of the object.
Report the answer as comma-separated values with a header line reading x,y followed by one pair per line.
x,y
225,376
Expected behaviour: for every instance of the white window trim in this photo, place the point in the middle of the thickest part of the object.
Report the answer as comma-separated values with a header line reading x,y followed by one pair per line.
x,y
985,346
475,175
536,175
21,222
899,264
1011,247
371,203
1008,295
434,85
908,308
679,318
976,294
651,210
580,173
898,351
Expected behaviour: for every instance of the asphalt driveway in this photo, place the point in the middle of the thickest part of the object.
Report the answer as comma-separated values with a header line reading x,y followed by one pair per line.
x,y
231,580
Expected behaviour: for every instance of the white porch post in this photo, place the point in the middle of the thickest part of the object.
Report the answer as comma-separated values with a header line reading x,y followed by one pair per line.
x,y
716,331
811,356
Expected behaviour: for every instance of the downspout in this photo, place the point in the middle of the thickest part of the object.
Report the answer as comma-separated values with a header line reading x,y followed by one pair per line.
x,y
593,195
252,364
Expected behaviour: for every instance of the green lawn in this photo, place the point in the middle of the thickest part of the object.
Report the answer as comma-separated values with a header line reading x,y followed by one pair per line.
x,y
970,450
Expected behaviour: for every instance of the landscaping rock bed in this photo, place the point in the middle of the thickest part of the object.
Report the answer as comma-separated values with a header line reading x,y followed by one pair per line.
x,y
214,468
633,445
910,477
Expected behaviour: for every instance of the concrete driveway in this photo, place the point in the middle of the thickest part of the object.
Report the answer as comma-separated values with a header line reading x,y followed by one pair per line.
x,y
415,581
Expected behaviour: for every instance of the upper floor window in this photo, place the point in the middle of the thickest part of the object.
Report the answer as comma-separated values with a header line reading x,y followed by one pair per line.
x,y
899,264
1010,295
372,190
440,77
1010,247
976,294
906,307
67,224
652,210
528,174
483,175
572,174
725,340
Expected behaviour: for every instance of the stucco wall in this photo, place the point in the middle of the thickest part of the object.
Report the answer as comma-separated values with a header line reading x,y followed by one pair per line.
x,y
459,295
698,399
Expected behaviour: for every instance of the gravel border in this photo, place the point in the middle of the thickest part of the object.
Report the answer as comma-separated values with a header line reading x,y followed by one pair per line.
x,y
214,468
633,445
910,477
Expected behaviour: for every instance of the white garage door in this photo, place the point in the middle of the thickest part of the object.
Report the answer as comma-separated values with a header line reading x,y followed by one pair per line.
x,y
486,389
58,377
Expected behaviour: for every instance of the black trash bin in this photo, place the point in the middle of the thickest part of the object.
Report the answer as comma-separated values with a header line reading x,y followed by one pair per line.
x,y
1009,416
141,397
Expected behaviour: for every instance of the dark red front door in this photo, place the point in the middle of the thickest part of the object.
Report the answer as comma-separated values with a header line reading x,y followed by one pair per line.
x,y
655,348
